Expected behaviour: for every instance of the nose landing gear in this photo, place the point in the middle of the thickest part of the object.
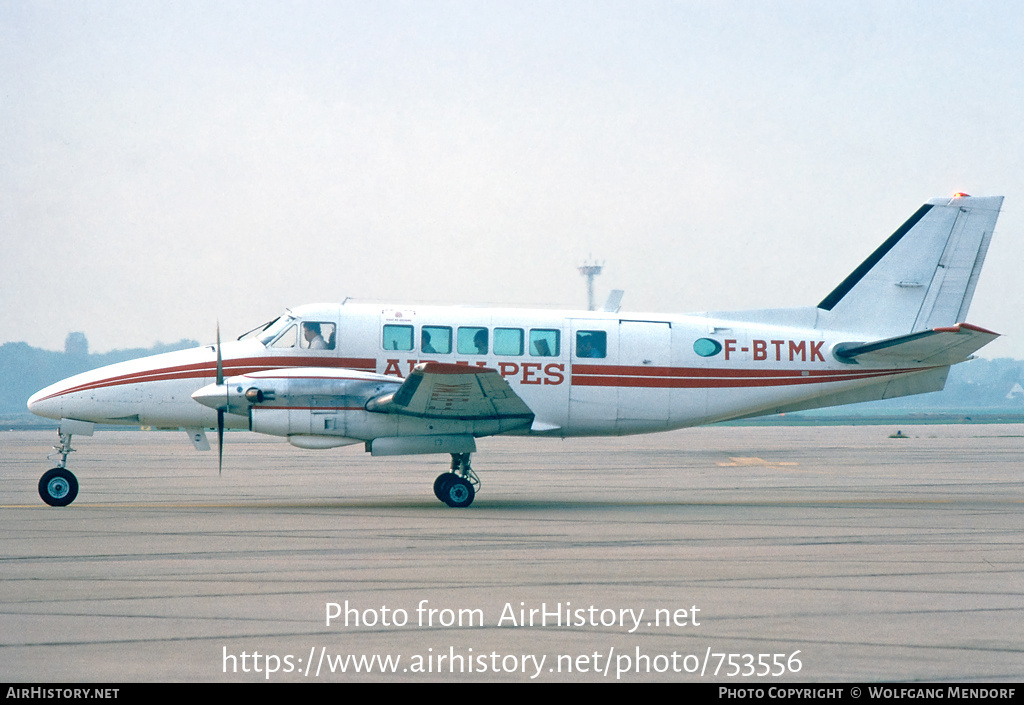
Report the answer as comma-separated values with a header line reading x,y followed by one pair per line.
x,y
59,487
458,487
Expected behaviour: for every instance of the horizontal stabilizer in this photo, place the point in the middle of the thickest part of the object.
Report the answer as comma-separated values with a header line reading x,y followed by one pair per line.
x,y
445,391
939,346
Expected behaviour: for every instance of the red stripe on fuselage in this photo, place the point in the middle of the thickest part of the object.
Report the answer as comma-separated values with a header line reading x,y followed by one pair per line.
x,y
698,378
231,368
644,371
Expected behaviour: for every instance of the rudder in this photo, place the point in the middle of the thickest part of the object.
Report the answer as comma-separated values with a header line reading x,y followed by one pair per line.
x,y
923,276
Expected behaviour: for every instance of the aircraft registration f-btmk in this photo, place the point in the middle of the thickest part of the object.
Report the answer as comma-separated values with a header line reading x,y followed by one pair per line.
x,y
418,379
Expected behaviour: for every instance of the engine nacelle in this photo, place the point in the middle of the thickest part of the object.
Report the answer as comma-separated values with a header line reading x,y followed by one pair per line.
x,y
303,388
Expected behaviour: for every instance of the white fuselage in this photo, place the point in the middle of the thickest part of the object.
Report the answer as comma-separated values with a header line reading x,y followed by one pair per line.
x,y
581,373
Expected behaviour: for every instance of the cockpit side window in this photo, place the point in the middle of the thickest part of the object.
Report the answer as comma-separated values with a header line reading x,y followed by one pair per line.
x,y
317,335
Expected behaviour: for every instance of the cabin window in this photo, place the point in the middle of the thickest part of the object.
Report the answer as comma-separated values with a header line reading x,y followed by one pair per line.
x,y
435,340
543,342
508,341
472,341
317,335
397,337
591,343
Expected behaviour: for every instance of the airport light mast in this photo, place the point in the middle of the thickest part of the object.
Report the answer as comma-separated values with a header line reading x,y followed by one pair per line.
x,y
590,270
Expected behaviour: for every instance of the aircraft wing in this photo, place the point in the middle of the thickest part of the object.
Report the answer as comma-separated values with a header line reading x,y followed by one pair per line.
x,y
939,346
444,391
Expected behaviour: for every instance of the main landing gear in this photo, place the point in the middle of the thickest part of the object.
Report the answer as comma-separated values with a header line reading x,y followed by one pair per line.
x,y
458,487
59,487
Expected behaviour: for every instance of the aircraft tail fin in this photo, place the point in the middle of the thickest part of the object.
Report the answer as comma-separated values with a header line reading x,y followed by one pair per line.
x,y
923,276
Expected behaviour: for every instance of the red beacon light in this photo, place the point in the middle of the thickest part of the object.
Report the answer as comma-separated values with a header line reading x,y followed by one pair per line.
x,y
961,194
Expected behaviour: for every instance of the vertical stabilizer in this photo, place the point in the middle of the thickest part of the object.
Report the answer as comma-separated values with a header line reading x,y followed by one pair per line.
x,y
923,276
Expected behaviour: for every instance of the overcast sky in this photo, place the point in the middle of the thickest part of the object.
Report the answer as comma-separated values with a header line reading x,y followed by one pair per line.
x,y
166,165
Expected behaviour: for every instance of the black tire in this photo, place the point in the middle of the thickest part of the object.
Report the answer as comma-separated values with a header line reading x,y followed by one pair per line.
x,y
440,484
58,487
458,492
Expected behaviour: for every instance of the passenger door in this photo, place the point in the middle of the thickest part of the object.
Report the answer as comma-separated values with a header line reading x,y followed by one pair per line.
x,y
644,355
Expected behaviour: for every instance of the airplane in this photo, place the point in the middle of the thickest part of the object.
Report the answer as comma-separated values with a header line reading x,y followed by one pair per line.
x,y
415,379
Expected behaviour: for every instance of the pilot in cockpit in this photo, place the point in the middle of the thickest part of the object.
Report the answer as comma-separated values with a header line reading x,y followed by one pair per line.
x,y
314,339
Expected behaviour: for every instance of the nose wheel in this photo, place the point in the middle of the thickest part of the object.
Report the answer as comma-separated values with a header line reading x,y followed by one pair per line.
x,y
458,487
58,487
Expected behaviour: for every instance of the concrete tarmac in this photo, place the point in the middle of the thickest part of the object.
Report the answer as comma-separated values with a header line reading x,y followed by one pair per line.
x,y
759,556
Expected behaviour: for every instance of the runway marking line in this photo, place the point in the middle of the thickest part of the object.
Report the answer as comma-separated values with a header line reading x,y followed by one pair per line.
x,y
754,462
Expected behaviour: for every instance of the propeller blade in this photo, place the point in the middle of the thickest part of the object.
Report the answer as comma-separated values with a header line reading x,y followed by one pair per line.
x,y
220,362
220,410
220,441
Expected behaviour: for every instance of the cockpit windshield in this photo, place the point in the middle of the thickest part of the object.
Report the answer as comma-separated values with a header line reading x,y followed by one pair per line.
x,y
254,332
274,329
268,331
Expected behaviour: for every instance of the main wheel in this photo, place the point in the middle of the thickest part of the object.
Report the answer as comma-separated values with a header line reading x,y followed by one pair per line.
x,y
440,484
58,487
458,492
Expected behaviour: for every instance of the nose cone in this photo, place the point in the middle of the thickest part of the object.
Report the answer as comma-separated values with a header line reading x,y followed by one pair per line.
x,y
46,402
